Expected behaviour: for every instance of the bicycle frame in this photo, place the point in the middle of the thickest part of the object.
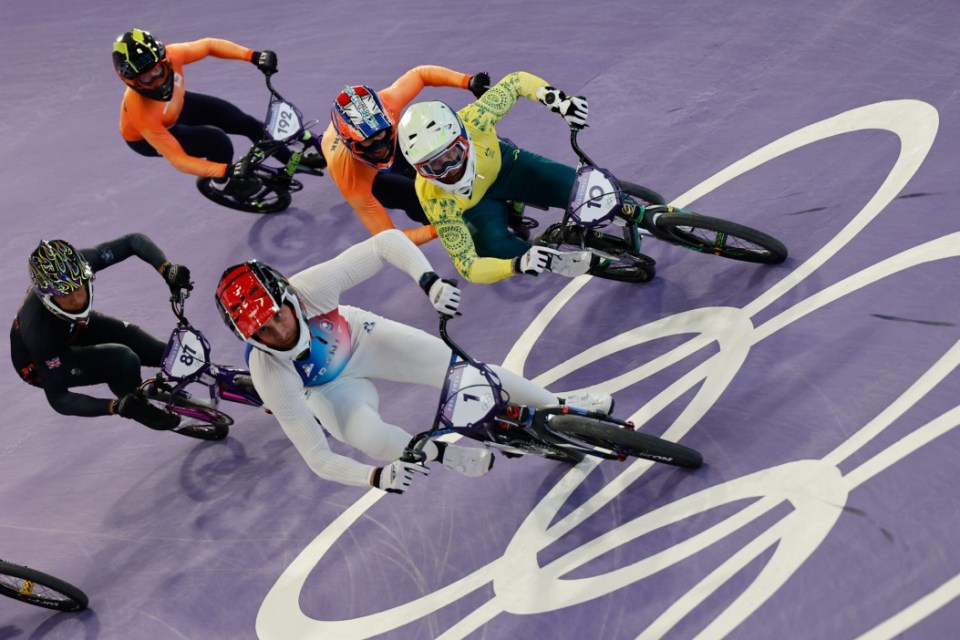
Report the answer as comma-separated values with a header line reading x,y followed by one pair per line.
x,y
596,200
284,127
474,404
186,361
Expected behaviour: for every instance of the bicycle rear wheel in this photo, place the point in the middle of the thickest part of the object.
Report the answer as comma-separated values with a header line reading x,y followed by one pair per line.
x,y
40,589
613,440
719,237
269,199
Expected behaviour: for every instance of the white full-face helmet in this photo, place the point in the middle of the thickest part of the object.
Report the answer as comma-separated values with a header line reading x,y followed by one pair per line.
x,y
435,142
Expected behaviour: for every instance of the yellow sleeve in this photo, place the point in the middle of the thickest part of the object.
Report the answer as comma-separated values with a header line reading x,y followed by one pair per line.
x,y
500,98
446,214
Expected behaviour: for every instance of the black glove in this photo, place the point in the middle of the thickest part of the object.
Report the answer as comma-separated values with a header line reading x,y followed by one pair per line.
x,y
177,277
241,183
479,83
135,407
266,61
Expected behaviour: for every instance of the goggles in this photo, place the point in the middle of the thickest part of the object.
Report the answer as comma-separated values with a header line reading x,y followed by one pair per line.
x,y
445,162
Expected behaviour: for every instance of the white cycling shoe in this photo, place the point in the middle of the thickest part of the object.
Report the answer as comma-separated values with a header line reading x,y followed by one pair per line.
x,y
468,461
602,402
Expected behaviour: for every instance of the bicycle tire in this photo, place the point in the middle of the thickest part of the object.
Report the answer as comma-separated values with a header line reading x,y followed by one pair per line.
x,y
612,436
270,198
21,583
643,193
719,237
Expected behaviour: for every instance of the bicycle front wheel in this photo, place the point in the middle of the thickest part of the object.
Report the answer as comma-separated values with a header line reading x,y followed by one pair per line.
x,y
719,237
269,199
39,589
612,440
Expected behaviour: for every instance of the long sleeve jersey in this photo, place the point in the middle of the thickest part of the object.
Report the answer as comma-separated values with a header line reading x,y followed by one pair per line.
x,y
143,118
445,210
354,178
39,338
278,380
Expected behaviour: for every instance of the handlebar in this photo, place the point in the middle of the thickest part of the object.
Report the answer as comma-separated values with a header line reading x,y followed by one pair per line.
x,y
176,304
584,158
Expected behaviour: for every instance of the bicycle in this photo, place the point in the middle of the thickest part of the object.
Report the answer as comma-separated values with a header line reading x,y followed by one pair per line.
x,y
474,404
40,589
598,200
283,129
186,362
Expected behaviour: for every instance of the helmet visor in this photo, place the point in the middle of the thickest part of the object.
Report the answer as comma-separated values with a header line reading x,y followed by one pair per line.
x,y
248,304
153,78
445,162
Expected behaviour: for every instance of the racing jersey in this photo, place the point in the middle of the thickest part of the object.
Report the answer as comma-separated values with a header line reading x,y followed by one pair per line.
x,y
355,179
39,339
445,210
143,118
282,382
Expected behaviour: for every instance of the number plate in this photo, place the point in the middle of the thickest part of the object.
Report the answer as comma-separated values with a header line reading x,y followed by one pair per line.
x,y
470,397
596,198
283,120
186,354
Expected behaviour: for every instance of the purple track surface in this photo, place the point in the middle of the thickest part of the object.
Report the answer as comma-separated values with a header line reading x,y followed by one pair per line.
x,y
822,392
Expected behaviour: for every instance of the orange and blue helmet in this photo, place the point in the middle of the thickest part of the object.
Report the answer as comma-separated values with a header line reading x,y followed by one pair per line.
x,y
365,126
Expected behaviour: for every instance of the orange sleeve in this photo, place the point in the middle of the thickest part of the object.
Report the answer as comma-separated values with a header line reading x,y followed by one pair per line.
x,y
355,182
216,47
168,146
400,93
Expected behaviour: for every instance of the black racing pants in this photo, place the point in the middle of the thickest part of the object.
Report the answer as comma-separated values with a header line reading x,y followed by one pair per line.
x,y
111,351
203,126
394,189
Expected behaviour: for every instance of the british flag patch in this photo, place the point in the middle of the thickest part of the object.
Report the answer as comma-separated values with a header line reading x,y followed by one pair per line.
x,y
53,363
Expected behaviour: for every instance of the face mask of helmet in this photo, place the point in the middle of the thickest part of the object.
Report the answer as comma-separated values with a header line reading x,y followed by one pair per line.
x,y
140,61
252,294
359,118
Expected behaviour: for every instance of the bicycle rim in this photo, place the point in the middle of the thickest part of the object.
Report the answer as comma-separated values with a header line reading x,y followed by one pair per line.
x,y
270,198
40,589
720,237
614,440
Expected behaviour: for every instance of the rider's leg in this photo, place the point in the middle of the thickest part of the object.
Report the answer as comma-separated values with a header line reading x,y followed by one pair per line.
x,y
200,109
397,191
112,364
492,236
531,178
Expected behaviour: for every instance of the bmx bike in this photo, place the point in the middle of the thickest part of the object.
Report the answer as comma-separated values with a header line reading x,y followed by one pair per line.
x,y
284,134
187,366
474,404
599,201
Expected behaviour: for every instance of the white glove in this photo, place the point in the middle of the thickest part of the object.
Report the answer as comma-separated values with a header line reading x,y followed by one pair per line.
x,y
571,263
444,294
397,476
535,260
573,109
